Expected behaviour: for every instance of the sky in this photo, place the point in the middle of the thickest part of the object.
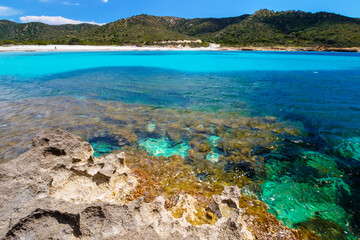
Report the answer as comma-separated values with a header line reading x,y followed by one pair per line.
x,y
104,11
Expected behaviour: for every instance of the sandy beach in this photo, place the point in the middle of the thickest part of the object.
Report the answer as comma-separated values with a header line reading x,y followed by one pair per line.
x,y
65,48
212,47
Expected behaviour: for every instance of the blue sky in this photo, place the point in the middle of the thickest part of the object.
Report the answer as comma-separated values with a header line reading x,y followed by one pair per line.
x,y
104,11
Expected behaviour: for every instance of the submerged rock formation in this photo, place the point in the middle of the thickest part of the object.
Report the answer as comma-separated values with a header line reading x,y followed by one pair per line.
x,y
58,190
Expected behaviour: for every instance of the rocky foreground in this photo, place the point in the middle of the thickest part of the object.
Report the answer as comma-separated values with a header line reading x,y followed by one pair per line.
x,y
58,190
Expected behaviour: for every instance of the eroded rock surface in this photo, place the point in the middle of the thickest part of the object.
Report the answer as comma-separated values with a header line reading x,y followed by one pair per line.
x,y
58,190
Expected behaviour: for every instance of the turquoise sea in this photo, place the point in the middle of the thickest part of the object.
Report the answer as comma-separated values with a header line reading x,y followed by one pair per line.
x,y
300,143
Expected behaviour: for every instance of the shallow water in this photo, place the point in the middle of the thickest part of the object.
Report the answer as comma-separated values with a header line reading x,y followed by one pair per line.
x,y
287,122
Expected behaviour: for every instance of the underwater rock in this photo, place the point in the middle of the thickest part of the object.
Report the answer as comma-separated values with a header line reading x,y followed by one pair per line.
x,y
214,154
150,127
164,147
327,229
350,148
325,164
295,203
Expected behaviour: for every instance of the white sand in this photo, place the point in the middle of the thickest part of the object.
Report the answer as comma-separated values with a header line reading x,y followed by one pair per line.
x,y
66,48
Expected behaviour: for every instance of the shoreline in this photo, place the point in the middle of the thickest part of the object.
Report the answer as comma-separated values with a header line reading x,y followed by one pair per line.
x,y
296,49
88,48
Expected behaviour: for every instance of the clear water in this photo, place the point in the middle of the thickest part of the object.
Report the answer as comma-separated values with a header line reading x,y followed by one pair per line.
x,y
307,180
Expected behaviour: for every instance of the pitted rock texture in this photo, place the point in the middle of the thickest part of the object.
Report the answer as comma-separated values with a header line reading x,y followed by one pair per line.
x,y
58,190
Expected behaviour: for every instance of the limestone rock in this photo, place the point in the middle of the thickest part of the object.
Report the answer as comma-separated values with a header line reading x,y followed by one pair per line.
x,y
58,190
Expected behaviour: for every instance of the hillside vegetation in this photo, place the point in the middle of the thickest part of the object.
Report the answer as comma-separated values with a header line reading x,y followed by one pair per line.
x,y
40,33
294,28
263,28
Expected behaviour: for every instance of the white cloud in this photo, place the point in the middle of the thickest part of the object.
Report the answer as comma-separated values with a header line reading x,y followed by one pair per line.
x,y
53,20
8,11
43,0
71,4
105,1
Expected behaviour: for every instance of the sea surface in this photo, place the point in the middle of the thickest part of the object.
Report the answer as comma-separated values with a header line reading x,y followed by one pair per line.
x,y
287,121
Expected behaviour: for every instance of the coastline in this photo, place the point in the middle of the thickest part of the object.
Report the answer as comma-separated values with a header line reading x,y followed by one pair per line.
x,y
85,48
296,49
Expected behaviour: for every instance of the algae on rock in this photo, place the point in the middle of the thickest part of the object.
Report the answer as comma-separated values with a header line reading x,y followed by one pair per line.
x,y
59,190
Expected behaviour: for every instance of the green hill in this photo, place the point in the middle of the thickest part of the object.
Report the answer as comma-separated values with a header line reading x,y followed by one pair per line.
x,y
137,29
292,28
149,29
39,32
206,26
263,28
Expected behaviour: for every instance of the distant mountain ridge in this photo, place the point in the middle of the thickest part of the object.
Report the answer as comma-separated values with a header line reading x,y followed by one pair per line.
x,y
263,28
